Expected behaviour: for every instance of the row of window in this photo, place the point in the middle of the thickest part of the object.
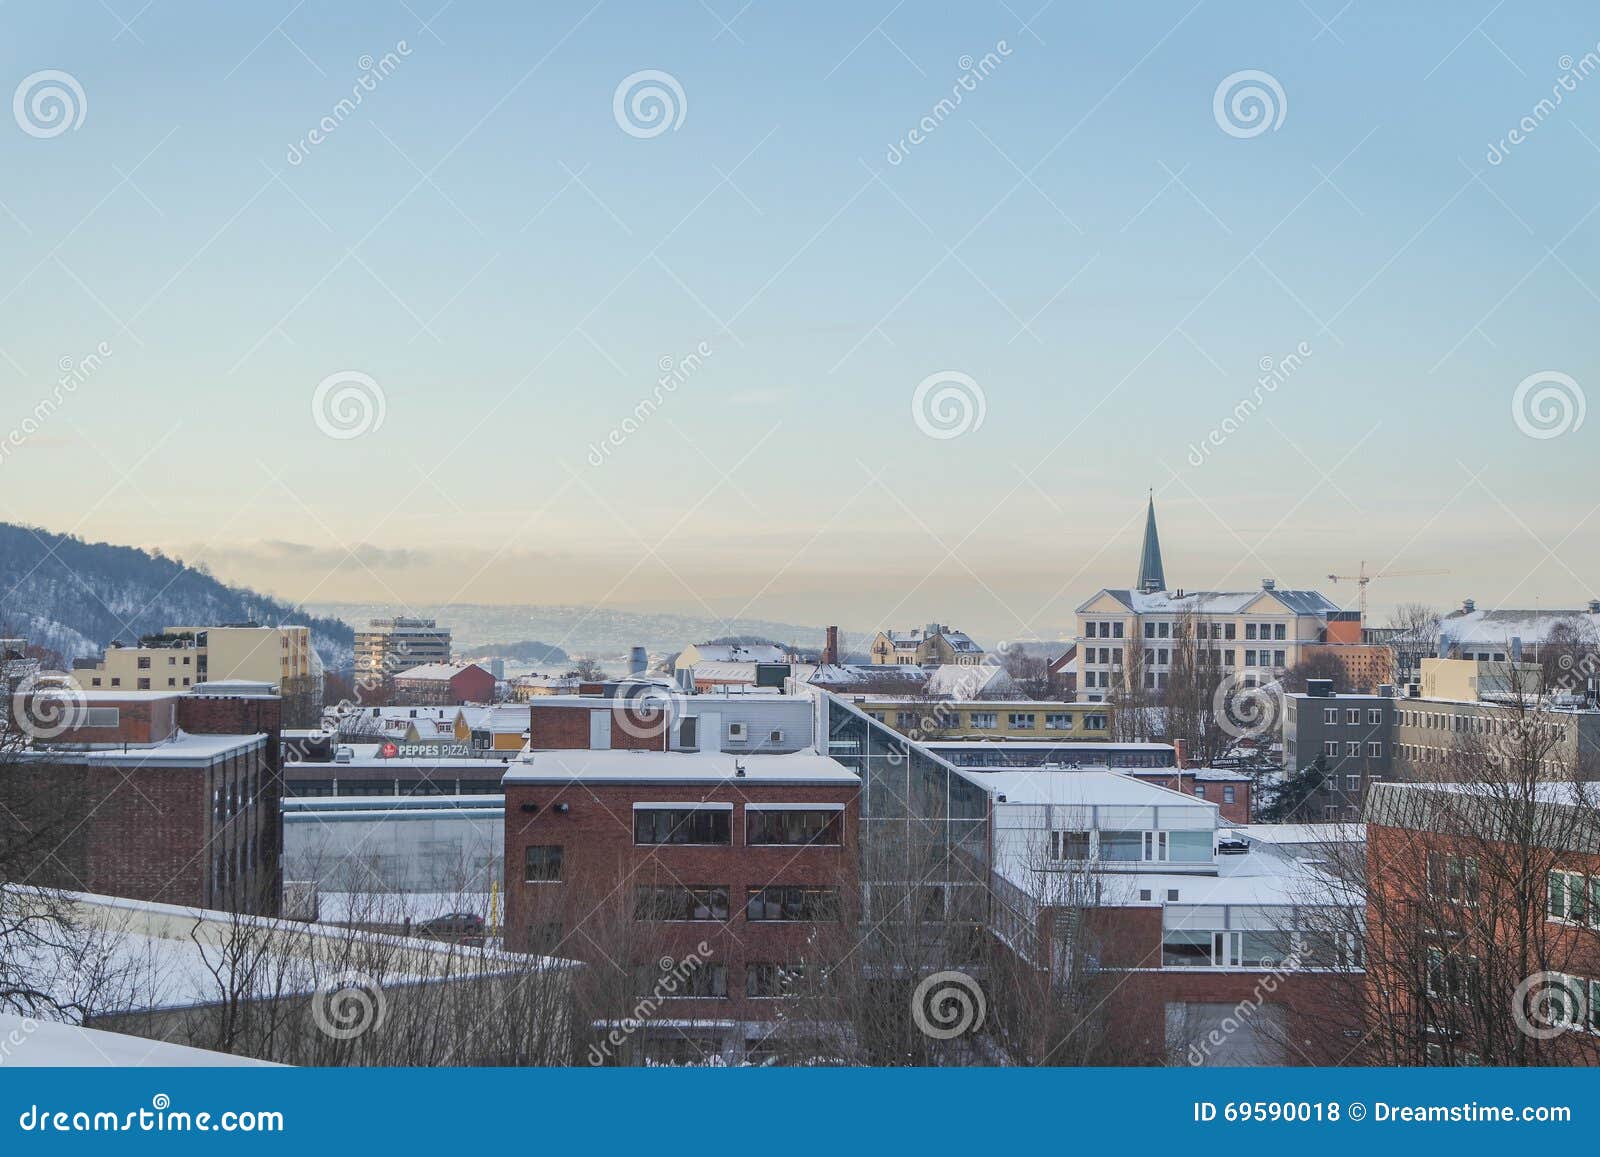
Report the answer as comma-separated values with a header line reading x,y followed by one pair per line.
x,y
1479,724
1229,795
1352,716
709,902
1352,749
763,980
1132,846
1201,948
1105,630
655,826
990,720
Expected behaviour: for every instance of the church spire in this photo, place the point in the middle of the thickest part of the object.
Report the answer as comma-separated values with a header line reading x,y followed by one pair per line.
x,y
1151,577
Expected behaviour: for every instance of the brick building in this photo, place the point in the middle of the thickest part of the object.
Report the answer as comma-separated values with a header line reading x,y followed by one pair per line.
x,y
159,796
645,861
1208,954
1483,917
436,684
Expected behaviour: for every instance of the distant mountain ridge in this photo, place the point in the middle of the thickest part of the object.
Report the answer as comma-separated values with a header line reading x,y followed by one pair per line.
x,y
74,597
581,630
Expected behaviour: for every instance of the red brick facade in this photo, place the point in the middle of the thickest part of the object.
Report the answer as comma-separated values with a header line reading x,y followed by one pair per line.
x,y
602,869
566,726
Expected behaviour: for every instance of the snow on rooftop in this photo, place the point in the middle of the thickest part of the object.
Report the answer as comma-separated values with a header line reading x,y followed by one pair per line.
x,y
570,766
1300,602
1084,789
1291,834
44,1044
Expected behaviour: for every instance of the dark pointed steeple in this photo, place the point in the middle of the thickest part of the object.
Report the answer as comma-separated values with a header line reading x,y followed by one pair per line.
x,y
1151,577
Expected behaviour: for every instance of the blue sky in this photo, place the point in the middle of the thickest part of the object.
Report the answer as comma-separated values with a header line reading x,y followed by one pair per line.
x,y
1079,237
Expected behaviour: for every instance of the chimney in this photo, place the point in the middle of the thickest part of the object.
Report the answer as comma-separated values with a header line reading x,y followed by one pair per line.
x,y
637,661
830,648
1594,606
1180,752
1268,584
1516,648
1469,605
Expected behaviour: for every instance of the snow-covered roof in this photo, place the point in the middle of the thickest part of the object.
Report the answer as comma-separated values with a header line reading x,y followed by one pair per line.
x,y
584,766
1084,789
969,681
858,674
1496,628
46,1044
1299,602
1292,834
434,672
504,718
179,748
740,653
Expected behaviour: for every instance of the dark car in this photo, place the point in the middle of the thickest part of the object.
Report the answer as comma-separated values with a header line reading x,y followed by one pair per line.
x,y
454,926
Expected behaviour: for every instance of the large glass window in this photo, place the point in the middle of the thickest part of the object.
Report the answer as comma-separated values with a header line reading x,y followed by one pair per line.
x,y
791,827
541,863
681,902
705,982
1181,948
769,981
793,902
1122,847
1069,845
682,826
1190,847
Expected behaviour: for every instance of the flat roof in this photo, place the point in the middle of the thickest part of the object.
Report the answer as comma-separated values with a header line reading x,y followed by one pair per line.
x,y
583,766
181,748
1084,788
54,1045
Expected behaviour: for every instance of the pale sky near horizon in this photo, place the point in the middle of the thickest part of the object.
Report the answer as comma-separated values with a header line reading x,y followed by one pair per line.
x,y
1081,236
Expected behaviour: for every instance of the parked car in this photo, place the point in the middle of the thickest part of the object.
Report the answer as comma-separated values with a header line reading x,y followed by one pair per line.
x,y
454,926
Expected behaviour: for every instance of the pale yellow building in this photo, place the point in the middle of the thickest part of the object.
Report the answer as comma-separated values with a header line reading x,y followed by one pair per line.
x,y
989,718
930,646
1474,680
182,657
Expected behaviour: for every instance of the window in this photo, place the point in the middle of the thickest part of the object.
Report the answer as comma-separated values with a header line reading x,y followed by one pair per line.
x,y
1374,749
985,720
541,863
1330,716
1352,783
1149,630
1453,878
1190,847
765,981
1163,630
1279,631
791,826
681,902
1228,633
96,681
1352,748
1094,722
1249,658
1200,791
792,902
144,662
1069,845
144,684
1116,630
682,826
1058,721
1374,717
1021,721
1352,716
1122,847
1569,898
704,982
1453,975
1227,794
1331,747
1249,630
905,719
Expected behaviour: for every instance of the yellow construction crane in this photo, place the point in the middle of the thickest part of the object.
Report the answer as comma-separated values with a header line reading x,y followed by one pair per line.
x,y
1361,578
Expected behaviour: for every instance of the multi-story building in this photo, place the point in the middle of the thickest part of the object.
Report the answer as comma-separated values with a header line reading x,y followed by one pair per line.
x,y
735,723
710,881
1188,936
1350,738
930,646
435,684
1136,633
165,796
947,719
184,656
1483,918
390,646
